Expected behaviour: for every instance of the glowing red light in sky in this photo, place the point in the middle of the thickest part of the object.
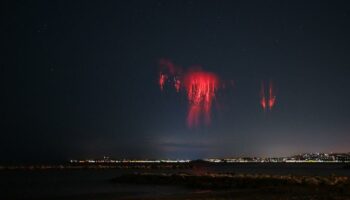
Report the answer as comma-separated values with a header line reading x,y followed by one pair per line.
x,y
269,100
169,69
262,96
272,96
177,85
200,87
162,79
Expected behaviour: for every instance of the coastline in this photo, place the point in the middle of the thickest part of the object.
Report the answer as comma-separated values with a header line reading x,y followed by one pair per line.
x,y
245,186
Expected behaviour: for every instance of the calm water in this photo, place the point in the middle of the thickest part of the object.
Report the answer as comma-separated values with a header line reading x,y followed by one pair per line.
x,y
95,184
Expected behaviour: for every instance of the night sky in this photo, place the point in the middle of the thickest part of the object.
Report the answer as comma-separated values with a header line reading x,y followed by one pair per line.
x,y
79,79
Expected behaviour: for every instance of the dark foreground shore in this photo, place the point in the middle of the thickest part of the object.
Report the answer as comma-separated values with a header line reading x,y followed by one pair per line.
x,y
240,186
166,182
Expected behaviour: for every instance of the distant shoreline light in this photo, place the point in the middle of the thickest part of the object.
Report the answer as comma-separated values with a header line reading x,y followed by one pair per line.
x,y
129,161
301,158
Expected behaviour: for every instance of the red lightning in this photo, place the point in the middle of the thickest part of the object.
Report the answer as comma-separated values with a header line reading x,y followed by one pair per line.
x,y
169,69
262,96
270,100
272,96
200,87
177,84
162,79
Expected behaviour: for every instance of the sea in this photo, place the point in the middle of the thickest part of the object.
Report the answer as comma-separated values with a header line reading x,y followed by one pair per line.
x,y
96,183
